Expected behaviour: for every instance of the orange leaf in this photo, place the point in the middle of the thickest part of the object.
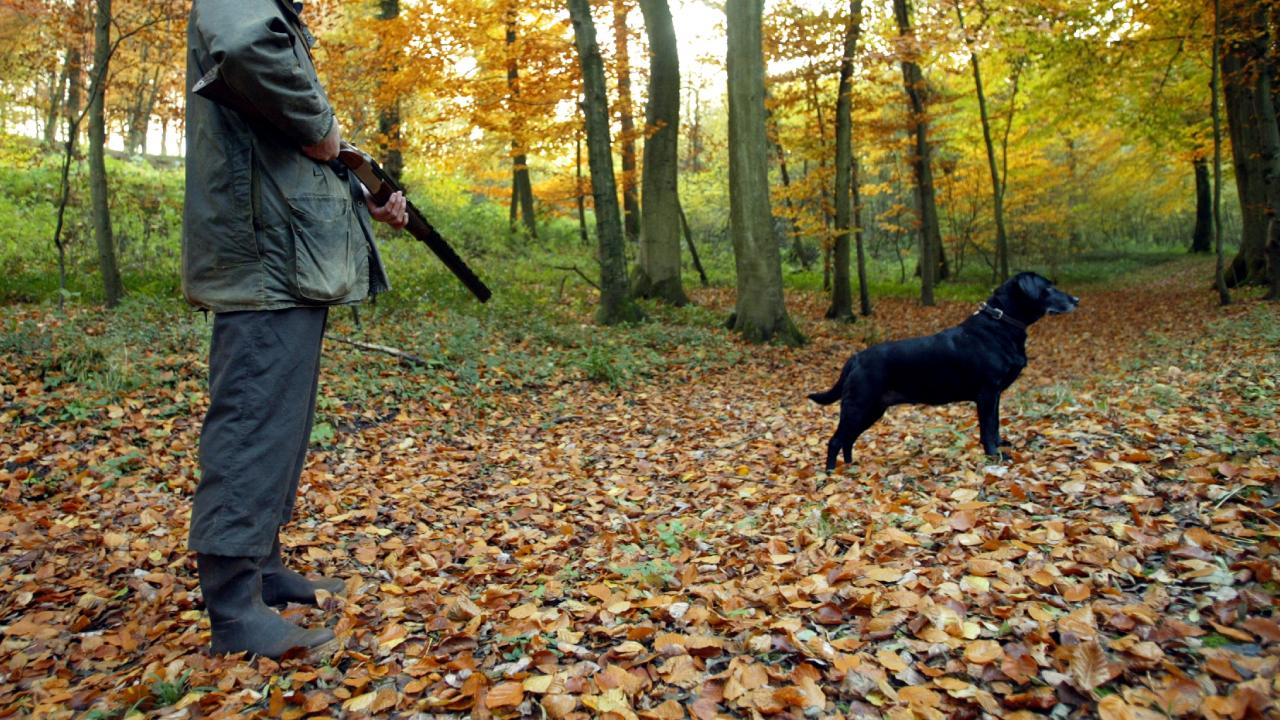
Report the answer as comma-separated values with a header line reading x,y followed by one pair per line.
x,y
1113,707
982,652
507,694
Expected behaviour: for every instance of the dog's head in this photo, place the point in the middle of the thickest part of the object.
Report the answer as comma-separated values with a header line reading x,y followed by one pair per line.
x,y
1029,296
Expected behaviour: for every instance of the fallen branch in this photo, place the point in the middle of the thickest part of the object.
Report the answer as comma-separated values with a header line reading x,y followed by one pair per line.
x,y
574,269
403,355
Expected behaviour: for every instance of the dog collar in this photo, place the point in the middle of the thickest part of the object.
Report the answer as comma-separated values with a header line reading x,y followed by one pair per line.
x,y
998,314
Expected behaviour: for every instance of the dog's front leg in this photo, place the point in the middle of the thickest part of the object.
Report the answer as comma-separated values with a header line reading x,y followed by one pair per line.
x,y
989,422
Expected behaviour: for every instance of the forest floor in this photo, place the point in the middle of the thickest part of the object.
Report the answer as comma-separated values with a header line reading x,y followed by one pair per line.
x,y
556,521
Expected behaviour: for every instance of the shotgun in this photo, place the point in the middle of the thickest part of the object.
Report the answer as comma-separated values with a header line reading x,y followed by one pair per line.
x,y
381,187
376,180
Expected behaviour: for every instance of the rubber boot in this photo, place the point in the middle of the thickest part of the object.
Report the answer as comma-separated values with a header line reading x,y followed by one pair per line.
x,y
281,586
242,622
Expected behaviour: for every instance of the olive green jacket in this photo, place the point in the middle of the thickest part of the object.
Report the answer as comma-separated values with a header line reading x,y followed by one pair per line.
x,y
264,226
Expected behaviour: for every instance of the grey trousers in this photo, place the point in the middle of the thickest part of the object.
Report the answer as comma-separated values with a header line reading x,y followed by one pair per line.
x,y
264,368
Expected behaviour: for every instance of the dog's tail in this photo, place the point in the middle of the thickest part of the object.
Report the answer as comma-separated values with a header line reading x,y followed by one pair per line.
x,y
829,396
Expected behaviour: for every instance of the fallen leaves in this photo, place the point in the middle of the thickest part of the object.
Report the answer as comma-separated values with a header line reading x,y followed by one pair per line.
x,y
671,551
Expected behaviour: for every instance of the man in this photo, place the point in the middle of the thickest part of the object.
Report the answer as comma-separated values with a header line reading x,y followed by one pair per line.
x,y
273,236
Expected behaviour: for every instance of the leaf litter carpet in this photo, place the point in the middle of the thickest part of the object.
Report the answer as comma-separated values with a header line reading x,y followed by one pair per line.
x,y
672,549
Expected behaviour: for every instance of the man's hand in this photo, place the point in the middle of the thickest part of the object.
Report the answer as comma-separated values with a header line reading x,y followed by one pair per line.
x,y
326,149
394,213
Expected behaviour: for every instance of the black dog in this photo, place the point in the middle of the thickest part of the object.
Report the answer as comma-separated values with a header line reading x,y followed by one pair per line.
x,y
973,361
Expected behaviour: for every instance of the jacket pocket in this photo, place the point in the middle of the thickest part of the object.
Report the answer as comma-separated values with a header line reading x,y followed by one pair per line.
x,y
325,267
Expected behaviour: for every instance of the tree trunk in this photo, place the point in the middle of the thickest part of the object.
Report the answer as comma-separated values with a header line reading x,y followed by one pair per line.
x,y
761,312
842,288
57,92
139,121
521,184
626,120
864,293
113,288
693,249
616,305
1241,76
1215,86
1202,236
73,112
73,117
389,116
1269,155
913,82
581,195
828,207
997,183
658,268
798,252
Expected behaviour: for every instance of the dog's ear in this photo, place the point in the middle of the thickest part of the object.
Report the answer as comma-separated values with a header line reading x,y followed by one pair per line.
x,y
1031,285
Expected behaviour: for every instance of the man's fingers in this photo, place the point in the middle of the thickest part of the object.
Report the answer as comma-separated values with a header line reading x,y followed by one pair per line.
x,y
394,212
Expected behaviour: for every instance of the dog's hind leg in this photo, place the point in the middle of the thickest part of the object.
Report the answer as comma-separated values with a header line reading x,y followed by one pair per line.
x,y
854,420
867,417
833,448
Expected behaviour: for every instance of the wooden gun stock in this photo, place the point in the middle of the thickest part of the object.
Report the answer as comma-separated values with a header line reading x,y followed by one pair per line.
x,y
381,187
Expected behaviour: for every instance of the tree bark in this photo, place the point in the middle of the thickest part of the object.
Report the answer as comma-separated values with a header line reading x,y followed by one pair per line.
x,y
842,288
1241,62
798,252
1202,236
1269,155
761,312
73,113
626,121
1215,85
998,183
581,195
864,293
56,94
616,305
930,235
113,288
389,116
139,120
73,118
693,249
658,268
521,184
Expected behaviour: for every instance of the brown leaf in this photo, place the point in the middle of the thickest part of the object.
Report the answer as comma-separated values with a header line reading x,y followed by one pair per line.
x,y
1090,667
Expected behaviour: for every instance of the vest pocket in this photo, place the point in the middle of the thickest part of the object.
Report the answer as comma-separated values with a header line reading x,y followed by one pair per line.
x,y
325,267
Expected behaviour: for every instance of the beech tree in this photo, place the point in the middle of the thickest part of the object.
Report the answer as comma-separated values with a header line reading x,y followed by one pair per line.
x,y
761,312
626,119
658,263
616,305
1251,120
841,287
521,184
112,286
933,265
998,183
